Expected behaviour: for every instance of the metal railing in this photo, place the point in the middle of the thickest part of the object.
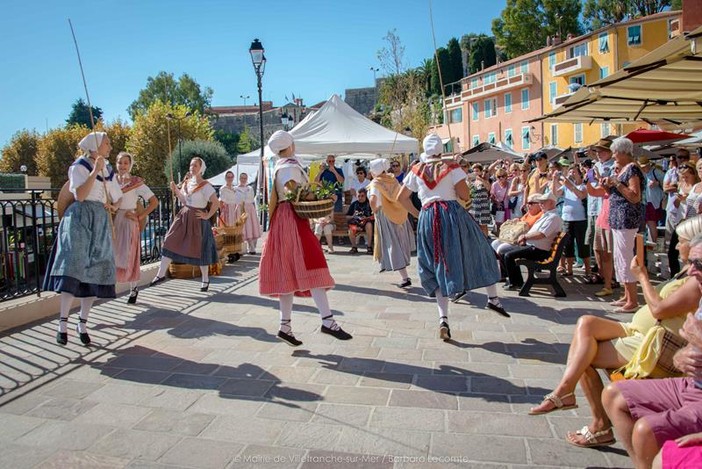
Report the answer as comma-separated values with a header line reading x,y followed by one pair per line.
x,y
29,223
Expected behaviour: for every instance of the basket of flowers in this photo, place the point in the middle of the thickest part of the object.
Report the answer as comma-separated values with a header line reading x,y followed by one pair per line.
x,y
314,200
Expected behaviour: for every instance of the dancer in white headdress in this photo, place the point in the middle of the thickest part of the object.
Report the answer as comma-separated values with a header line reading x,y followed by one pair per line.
x,y
292,261
128,223
189,239
453,255
82,261
246,204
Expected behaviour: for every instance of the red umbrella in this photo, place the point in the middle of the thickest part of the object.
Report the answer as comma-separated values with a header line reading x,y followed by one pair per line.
x,y
653,137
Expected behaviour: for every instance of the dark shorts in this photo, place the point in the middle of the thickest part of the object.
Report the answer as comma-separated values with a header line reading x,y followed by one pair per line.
x,y
654,214
672,407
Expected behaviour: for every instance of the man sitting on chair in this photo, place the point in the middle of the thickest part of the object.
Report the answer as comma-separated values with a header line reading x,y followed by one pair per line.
x,y
536,244
360,221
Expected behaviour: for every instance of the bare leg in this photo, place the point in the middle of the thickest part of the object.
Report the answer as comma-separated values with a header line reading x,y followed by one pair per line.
x,y
630,295
644,444
584,348
369,234
606,268
330,240
618,412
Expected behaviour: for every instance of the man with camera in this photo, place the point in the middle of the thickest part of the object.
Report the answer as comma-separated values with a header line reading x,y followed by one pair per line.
x,y
334,175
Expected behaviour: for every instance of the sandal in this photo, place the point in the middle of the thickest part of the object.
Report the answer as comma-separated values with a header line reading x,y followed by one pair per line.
x,y
557,403
560,270
591,439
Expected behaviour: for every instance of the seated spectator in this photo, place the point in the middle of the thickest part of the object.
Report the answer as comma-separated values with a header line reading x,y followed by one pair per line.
x,y
361,182
680,453
360,221
536,243
533,214
604,343
325,226
647,413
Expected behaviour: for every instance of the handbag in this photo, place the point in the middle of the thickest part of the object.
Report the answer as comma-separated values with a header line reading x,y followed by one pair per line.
x,y
511,230
657,350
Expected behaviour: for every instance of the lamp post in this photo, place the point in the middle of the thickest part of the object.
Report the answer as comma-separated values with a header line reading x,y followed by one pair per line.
x,y
180,141
244,98
374,70
286,121
259,64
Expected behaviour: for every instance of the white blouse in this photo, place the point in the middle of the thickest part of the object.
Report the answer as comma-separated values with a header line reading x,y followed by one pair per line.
x,y
130,198
200,198
244,194
285,174
79,174
445,190
228,195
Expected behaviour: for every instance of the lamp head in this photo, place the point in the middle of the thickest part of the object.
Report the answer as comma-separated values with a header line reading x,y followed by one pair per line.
x,y
257,55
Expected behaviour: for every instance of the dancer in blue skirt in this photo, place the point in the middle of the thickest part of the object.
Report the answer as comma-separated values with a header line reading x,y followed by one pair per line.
x,y
453,255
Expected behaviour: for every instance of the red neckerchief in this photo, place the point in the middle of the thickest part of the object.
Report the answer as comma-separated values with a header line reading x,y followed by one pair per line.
x,y
432,174
133,183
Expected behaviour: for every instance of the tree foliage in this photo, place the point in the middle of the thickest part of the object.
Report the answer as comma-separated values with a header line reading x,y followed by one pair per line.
x,y
228,140
445,63
455,59
482,54
149,139
212,152
524,25
57,151
164,87
20,151
245,143
80,114
599,13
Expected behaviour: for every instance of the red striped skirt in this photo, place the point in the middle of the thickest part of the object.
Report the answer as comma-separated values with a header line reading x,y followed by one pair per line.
x,y
292,260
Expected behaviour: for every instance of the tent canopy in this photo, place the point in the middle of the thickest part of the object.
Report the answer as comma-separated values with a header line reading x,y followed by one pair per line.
x,y
487,153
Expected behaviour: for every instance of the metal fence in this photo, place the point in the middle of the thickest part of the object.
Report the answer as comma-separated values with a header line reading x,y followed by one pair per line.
x,y
28,225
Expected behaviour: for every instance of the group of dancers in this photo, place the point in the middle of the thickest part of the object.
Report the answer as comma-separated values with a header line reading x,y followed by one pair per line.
x,y
453,254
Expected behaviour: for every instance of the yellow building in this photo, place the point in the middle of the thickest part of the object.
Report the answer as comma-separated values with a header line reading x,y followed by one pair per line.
x,y
585,59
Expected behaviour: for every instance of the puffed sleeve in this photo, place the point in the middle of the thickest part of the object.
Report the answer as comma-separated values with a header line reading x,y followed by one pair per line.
x,y
77,175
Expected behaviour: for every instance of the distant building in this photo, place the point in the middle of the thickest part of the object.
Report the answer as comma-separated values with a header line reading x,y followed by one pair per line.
x,y
493,104
363,100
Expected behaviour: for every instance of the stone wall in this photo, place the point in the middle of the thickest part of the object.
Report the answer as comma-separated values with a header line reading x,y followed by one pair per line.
x,y
363,100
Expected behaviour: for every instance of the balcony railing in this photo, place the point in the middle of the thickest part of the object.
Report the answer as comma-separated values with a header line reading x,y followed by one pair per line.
x,y
501,85
560,99
572,66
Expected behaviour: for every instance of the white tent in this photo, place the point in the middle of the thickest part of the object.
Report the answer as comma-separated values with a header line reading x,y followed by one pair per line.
x,y
337,129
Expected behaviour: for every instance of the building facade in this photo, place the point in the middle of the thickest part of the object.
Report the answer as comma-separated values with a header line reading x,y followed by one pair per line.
x,y
494,104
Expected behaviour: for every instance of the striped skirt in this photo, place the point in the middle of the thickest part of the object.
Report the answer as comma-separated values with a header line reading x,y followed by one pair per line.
x,y
292,260
82,260
127,248
452,253
396,243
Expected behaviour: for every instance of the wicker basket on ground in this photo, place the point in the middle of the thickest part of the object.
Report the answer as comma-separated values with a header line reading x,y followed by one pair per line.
x,y
233,236
185,271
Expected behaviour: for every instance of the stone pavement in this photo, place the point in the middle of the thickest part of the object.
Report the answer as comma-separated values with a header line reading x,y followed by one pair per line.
x,y
190,379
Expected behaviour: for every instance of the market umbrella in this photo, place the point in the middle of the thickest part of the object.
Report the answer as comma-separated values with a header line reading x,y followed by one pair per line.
x,y
653,137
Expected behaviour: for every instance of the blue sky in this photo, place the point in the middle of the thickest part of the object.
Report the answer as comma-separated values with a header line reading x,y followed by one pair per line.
x,y
314,48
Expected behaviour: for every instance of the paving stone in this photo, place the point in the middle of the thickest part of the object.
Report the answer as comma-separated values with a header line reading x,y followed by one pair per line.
x,y
442,383
14,426
497,449
17,456
226,405
422,399
386,380
23,404
494,385
494,423
201,452
417,419
116,415
387,441
64,435
546,451
484,402
61,409
245,387
121,393
71,389
249,430
134,444
326,376
175,399
340,414
309,435
179,423
324,459
349,395
297,412
81,459
262,456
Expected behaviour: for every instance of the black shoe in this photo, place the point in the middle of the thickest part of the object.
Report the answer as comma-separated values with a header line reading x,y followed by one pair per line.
x,y
205,286
444,331
406,283
509,287
354,250
289,339
369,250
337,333
252,252
457,297
157,280
62,338
498,309
133,296
83,336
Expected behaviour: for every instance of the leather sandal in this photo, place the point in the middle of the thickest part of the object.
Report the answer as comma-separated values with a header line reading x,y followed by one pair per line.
x,y
592,440
557,404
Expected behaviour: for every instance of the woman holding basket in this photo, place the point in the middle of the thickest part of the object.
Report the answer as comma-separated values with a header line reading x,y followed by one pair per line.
x,y
292,261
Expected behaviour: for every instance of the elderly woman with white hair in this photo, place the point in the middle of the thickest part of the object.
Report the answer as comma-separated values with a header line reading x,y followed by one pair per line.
x,y
292,261
626,212
82,261
189,239
394,238
453,255
128,223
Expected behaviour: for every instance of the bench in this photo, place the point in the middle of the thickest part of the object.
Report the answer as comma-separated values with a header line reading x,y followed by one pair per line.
x,y
550,265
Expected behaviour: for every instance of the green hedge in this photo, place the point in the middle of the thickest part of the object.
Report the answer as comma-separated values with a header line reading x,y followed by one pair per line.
x,y
11,181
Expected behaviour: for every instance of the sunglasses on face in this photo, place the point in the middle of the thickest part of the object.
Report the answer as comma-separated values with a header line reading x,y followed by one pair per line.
x,y
395,165
532,203
501,177
696,263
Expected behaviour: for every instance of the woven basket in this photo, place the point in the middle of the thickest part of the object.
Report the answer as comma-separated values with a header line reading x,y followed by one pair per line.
x,y
219,241
313,209
183,270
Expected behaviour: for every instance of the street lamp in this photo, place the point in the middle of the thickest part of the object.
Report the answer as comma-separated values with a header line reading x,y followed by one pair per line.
x,y
374,70
259,64
244,98
286,121
171,116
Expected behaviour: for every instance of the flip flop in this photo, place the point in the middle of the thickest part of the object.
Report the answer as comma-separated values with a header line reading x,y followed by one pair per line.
x,y
592,438
557,402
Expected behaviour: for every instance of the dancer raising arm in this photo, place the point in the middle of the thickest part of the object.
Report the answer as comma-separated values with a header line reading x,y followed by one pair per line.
x,y
189,239
128,223
82,261
292,261
453,255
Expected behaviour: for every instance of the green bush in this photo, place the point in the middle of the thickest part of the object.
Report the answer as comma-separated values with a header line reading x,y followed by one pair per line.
x,y
11,181
214,154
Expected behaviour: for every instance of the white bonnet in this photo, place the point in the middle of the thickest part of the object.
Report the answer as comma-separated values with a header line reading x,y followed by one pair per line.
x,y
279,141
92,141
432,147
378,166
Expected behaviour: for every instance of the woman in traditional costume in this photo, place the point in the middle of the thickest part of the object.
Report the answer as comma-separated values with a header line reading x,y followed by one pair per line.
x,y
246,203
82,261
128,223
227,201
189,239
453,255
394,238
292,261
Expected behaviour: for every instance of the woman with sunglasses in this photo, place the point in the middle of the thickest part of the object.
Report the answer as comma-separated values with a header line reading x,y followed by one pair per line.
x,y
499,198
517,188
688,179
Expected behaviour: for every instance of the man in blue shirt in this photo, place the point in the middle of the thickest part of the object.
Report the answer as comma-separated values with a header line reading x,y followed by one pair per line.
x,y
332,174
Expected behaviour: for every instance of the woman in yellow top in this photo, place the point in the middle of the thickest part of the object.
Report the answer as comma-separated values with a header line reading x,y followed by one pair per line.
x,y
604,343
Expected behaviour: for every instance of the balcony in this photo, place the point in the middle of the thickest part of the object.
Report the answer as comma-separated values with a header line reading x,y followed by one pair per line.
x,y
504,83
572,66
559,100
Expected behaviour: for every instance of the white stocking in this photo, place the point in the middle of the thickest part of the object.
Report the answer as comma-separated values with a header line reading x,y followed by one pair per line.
x,y
165,262
491,291
205,271
319,295
66,303
85,305
286,306
443,304
403,273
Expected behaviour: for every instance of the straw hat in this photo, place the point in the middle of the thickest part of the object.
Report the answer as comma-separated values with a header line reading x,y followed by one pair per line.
x,y
603,144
